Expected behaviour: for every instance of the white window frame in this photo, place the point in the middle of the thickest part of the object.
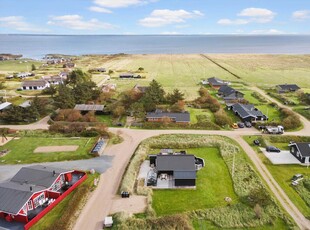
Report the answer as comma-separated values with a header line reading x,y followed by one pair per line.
x,y
30,205
37,201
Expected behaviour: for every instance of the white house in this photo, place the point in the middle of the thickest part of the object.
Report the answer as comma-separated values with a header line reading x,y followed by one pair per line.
x,y
35,85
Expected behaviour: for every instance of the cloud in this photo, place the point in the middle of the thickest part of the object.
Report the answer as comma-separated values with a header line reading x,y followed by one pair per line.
x,y
252,15
121,3
165,17
259,15
301,15
19,23
99,9
170,33
227,22
76,22
270,31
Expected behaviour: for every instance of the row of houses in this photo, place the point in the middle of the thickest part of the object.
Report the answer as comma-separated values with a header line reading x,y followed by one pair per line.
x,y
44,82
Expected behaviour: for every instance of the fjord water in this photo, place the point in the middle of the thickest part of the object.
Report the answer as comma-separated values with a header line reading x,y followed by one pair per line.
x,y
36,46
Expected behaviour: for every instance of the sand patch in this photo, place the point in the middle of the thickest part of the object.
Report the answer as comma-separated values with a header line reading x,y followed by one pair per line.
x,y
62,148
134,204
3,141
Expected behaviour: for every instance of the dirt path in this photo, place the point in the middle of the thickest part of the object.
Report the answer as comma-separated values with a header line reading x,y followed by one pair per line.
x,y
305,131
286,203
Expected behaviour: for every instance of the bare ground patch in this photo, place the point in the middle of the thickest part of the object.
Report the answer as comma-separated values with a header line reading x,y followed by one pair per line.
x,y
62,148
134,204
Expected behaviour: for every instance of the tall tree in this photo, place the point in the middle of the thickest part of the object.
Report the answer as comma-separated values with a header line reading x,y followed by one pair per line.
x,y
33,67
78,76
64,99
84,92
174,97
137,110
154,95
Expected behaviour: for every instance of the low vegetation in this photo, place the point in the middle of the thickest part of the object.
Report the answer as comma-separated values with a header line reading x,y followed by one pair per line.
x,y
64,215
255,208
283,173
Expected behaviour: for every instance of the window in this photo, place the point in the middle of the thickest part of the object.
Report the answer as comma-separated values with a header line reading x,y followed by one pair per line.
x,y
30,206
39,200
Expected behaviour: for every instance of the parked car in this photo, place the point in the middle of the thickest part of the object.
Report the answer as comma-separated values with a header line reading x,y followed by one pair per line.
x,y
248,124
240,124
297,177
125,194
234,126
256,142
272,149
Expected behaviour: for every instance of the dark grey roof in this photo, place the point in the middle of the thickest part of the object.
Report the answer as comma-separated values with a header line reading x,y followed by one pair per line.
x,y
247,110
38,175
175,163
34,83
84,107
184,175
15,193
127,75
179,117
13,197
303,147
289,87
216,81
227,90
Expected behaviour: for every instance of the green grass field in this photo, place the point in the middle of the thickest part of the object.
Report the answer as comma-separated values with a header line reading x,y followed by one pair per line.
x,y
213,185
17,65
196,112
283,175
22,150
268,69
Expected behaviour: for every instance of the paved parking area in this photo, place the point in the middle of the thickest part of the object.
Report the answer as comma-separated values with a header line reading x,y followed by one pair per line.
x,y
283,157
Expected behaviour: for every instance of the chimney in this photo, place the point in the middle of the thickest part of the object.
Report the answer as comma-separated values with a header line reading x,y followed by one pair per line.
x,y
30,188
54,173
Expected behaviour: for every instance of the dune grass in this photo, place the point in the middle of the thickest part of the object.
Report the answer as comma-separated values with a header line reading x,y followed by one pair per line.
x,y
284,173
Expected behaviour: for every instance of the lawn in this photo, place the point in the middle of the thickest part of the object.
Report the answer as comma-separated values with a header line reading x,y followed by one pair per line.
x,y
213,185
22,150
110,121
272,113
248,96
303,112
196,112
284,173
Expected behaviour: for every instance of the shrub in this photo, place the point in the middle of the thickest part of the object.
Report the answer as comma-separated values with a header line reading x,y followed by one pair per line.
x,y
221,118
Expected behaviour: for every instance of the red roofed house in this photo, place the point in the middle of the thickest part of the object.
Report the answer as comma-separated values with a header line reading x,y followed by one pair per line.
x,y
33,189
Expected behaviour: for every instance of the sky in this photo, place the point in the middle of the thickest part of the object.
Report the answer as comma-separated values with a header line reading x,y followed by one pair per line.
x,y
135,17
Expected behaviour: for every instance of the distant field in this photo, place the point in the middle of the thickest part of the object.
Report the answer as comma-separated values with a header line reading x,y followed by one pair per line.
x,y
186,71
268,69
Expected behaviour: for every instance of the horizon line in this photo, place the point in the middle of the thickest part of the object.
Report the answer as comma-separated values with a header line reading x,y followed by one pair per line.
x,y
231,34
